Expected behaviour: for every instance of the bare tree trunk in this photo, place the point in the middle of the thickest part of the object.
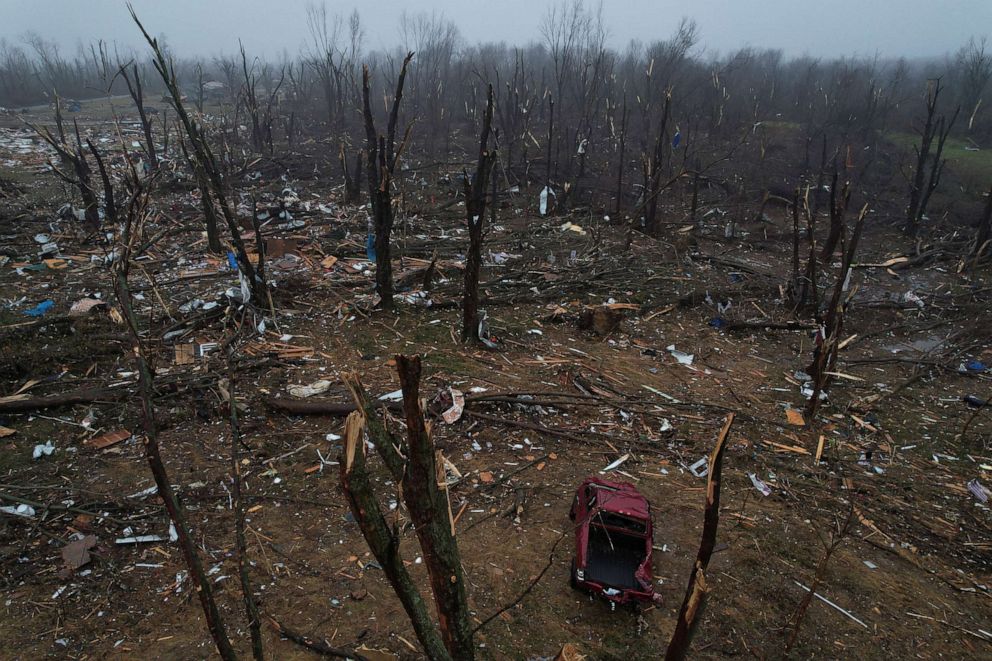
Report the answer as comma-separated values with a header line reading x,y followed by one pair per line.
x,y
352,182
837,210
74,158
622,156
810,288
429,511
381,164
109,205
654,168
984,234
547,166
134,88
206,201
821,571
694,205
169,498
695,595
91,206
383,542
793,287
475,212
205,160
926,179
825,355
237,503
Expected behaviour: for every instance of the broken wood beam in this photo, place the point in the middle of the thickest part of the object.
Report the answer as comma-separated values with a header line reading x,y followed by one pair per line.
x,y
23,402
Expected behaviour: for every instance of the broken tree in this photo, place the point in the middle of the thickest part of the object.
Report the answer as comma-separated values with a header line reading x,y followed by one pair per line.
x,y
475,215
413,465
382,156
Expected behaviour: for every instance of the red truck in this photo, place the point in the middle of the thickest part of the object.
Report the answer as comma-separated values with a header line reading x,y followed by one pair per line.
x,y
613,542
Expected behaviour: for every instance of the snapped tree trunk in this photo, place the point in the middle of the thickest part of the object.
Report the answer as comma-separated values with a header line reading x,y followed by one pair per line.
x,y
381,158
383,542
695,595
654,168
153,455
429,511
475,212
412,464
237,502
926,176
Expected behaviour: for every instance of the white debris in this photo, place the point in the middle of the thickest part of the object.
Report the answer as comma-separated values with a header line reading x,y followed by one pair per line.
x,y
760,485
19,510
315,388
682,357
395,396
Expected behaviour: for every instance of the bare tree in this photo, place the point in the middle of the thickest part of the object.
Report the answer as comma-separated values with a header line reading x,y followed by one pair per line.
x,y
136,211
413,464
973,65
475,216
75,169
829,334
926,176
207,165
381,158
830,546
133,81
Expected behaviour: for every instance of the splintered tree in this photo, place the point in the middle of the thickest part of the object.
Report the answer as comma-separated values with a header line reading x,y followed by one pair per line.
x,y
75,169
926,176
695,595
413,466
135,212
352,180
205,166
652,171
132,79
828,350
983,237
475,215
381,158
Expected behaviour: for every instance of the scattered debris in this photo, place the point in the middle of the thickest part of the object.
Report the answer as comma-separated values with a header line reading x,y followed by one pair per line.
x,y
680,356
41,308
108,439
701,468
979,490
76,554
315,388
44,450
84,306
760,485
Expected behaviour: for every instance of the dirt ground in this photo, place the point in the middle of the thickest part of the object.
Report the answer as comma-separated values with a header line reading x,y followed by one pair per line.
x,y
910,577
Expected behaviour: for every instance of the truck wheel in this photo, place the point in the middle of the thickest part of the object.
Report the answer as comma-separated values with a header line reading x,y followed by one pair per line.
x,y
571,577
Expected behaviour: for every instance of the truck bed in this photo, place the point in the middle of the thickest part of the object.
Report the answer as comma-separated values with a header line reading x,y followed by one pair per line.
x,y
613,565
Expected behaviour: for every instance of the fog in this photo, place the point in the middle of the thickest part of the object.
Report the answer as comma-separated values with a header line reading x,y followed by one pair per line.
x,y
911,28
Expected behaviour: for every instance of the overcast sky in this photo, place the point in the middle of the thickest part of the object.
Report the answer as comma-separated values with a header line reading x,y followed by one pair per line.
x,y
817,27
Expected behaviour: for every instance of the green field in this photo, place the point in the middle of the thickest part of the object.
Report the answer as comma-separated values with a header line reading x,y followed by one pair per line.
x,y
975,167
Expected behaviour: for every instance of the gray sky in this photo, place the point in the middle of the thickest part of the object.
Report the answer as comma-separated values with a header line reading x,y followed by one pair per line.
x,y
817,27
